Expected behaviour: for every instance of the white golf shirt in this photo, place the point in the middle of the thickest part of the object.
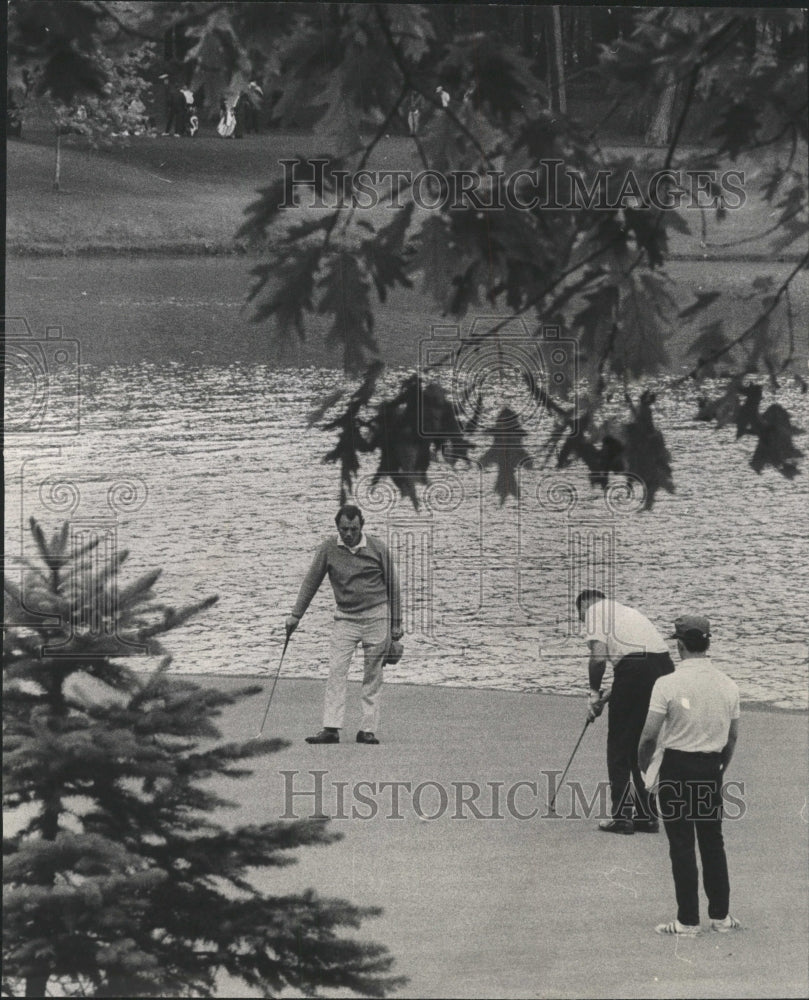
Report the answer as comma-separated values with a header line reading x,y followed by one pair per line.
x,y
698,701
623,630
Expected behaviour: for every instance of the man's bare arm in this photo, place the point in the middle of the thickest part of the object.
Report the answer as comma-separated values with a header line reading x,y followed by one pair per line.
x,y
598,663
730,746
648,739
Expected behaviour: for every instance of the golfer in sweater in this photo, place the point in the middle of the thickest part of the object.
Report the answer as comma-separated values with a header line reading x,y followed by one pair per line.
x,y
366,591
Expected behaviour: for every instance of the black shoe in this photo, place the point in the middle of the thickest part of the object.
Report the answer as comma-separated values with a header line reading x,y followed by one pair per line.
x,y
325,736
646,826
616,826
366,737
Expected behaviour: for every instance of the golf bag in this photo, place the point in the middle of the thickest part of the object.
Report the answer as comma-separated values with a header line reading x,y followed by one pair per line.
x,y
227,121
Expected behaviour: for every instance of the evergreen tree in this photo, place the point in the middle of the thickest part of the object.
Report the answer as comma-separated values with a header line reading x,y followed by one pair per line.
x,y
118,881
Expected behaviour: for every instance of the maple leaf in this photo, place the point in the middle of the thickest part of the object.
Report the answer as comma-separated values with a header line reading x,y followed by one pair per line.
x,y
775,445
323,406
440,423
352,430
507,453
649,232
404,453
645,453
737,127
709,345
265,211
641,327
601,449
345,297
437,258
295,282
411,28
385,254
703,300
748,419
723,410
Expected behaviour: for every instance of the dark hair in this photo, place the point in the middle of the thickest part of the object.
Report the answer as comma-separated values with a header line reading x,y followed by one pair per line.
x,y
589,595
694,642
350,511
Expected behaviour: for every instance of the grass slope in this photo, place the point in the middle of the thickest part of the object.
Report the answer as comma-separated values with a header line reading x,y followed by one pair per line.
x,y
190,195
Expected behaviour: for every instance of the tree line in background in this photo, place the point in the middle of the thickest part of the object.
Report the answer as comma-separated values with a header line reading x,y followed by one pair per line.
x,y
731,79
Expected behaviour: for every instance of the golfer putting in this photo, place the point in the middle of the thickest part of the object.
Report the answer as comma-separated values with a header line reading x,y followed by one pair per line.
x,y
368,613
637,651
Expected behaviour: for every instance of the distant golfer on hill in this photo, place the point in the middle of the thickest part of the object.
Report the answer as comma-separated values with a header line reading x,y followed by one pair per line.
x,y
639,656
366,591
694,717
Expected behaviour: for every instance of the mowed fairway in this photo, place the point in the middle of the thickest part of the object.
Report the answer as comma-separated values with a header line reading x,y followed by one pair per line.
x,y
133,309
163,192
184,200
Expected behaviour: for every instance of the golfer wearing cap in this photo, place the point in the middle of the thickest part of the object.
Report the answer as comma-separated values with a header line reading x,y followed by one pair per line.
x,y
366,591
694,715
637,651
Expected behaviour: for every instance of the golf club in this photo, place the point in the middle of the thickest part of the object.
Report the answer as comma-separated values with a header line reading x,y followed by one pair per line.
x,y
564,773
272,689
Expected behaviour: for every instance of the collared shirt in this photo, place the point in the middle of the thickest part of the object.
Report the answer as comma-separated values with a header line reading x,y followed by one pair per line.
x,y
355,548
623,630
698,702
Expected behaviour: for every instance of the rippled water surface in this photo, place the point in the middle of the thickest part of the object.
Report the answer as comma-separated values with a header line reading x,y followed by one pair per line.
x,y
220,482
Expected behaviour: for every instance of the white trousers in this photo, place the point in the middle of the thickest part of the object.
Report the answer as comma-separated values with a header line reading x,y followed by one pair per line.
x,y
348,633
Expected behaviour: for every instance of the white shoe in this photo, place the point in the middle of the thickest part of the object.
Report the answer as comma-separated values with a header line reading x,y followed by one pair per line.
x,y
675,927
729,923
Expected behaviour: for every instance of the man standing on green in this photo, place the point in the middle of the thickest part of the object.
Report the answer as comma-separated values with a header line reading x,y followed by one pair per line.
x,y
694,713
366,591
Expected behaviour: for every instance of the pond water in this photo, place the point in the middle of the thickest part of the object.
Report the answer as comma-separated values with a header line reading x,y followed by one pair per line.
x,y
212,473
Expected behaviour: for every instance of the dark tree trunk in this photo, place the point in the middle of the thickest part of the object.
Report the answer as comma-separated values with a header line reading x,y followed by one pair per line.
x,y
559,61
528,32
36,986
662,123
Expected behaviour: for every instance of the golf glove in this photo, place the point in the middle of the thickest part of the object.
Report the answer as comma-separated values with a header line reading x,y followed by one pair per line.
x,y
292,623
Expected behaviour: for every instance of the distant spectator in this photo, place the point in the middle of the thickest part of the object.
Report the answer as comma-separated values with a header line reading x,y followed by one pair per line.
x,y
176,109
414,113
256,97
191,117
246,110
443,96
13,116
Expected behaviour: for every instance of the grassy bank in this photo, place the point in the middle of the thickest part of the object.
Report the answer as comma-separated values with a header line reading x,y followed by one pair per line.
x,y
188,196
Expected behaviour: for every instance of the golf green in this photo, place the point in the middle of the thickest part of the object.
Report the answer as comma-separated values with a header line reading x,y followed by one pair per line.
x,y
497,905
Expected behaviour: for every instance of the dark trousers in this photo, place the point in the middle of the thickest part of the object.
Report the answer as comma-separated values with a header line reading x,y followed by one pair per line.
x,y
633,680
690,796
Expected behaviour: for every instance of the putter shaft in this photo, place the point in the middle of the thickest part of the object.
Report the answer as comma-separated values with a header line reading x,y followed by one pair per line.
x,y
564,773
272,689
